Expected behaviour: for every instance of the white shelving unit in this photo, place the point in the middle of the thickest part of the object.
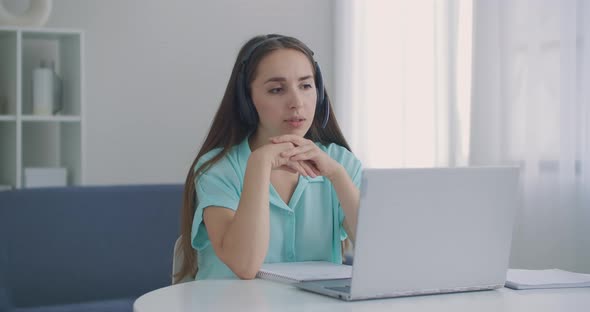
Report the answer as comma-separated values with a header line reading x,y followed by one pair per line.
x,y
48,141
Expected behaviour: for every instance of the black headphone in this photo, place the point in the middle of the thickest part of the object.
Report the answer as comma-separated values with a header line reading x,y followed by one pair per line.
x,y
246,108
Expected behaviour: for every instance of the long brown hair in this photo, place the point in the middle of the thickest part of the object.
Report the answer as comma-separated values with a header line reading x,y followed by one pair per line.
x,y
228,130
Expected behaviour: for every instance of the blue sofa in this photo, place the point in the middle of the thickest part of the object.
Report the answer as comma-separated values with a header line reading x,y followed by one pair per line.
x,y
86,248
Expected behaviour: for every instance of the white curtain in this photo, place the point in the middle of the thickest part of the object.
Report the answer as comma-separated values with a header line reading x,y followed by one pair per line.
x,y
402,80
530,107
461,82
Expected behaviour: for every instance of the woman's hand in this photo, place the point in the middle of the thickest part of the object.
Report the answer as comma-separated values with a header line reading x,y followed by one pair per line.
x,y
273,153
306,152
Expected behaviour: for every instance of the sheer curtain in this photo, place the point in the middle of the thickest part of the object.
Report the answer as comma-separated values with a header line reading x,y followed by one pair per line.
x,y
530,107
403,71
453,83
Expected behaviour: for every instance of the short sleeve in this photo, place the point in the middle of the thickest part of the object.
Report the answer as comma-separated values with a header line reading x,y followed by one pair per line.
x,y
218,186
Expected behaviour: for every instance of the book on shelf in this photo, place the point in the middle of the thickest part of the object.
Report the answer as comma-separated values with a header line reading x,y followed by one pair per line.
x,y
294,272
552,278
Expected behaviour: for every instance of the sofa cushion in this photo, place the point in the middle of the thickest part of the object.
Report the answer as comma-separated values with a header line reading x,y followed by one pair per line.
x,y
4,300
116,305
79,244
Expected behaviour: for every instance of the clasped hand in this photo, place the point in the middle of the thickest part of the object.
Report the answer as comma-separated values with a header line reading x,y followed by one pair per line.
x,y
299,155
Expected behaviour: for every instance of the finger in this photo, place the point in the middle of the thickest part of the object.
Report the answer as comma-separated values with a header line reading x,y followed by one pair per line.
x,y
298,150
314,168
304,156
287,168
296,165
292,166
308,169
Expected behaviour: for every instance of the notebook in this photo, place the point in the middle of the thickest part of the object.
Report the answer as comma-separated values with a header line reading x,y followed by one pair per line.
x,y
554,278
295,272
428,231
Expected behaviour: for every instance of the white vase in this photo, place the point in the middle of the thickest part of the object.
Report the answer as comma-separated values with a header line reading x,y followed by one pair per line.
x,y
36,15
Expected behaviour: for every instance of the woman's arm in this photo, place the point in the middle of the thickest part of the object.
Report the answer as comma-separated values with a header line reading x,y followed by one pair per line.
x,y
240,239
349,197
348,194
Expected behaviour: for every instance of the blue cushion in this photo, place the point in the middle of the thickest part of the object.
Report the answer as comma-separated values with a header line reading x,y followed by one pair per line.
x,y
117,305
5,304
80,244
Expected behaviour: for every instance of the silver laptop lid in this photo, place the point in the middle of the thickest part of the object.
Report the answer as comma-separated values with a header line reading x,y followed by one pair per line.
x,y
433,229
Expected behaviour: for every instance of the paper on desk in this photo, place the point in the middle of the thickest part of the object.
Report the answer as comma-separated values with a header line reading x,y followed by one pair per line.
x,y
553,278
293,272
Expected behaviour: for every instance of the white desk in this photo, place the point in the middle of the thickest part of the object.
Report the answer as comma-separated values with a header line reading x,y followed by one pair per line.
x,y
262,295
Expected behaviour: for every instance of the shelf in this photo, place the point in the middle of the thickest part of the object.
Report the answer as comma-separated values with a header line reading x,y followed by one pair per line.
x,y
40,30
63,51
7,118
55,118
51,145
8,154
8,72
30,140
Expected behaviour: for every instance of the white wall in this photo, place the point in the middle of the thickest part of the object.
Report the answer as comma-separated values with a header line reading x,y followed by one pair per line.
x,y
156,72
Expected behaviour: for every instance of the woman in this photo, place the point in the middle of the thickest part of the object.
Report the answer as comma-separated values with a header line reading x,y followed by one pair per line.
x,y
275,180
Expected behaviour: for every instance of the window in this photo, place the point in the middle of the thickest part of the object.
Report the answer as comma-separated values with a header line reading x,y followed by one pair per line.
x,y
407,101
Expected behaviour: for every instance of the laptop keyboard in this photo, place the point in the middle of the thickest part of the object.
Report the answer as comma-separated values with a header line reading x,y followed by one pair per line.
x,y
344,289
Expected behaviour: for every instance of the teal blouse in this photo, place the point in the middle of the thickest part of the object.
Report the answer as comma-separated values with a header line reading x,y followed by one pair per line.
x,y
308,228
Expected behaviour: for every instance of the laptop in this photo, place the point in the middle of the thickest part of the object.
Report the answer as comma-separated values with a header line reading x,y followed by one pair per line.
x,y
429,231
